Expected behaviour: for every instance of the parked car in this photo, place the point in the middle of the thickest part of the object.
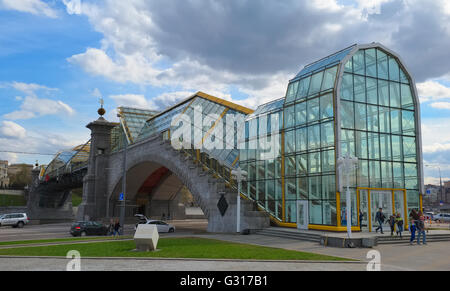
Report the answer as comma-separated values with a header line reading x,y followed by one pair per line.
x,y
84,228
442,217
160,225
14,219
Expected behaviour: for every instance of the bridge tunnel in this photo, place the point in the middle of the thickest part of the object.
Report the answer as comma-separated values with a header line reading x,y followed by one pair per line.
x,y
152,190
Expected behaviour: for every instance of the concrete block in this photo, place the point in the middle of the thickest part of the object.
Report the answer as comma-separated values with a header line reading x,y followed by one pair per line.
x,y
146,237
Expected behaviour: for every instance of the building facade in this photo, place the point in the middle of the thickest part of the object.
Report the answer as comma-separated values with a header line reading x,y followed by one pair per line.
x,y
4,180
360,101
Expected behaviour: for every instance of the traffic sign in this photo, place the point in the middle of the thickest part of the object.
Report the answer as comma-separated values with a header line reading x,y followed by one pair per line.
x,y
428,191
121,197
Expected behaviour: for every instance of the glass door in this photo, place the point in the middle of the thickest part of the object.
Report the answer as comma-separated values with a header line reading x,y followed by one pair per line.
x,y
399,200
364,210
302,214
380,199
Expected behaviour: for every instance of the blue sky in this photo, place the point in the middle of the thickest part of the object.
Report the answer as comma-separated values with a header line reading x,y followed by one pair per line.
x,y
57,56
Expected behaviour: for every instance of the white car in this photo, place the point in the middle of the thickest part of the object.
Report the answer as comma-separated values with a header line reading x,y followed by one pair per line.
x,y
14,219
160,225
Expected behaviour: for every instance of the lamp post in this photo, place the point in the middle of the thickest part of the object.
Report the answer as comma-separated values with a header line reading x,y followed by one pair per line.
x,y
240,175
347,164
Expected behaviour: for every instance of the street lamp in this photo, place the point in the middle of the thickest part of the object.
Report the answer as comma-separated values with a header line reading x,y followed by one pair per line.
x,y
347,164
239,175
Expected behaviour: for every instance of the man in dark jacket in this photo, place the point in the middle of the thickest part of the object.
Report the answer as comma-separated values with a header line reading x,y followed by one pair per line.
x,y
379,217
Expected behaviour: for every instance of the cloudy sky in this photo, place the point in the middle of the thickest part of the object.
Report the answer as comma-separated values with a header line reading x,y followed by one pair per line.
x,y
57,57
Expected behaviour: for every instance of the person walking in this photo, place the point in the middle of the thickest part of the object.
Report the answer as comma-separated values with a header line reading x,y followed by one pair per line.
x,y
391,223
421,229
361,217
399,222
413,217
380,217
117,228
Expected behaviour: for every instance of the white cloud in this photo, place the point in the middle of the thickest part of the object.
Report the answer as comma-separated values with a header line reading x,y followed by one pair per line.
x,y
36,7
432,90
35,107
73,6
441,105
11,129
131,100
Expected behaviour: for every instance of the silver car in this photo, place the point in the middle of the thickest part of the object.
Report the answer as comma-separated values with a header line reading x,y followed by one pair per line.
x,y
14,219
442,217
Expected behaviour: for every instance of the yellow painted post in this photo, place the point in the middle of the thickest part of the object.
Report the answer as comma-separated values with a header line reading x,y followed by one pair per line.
x,y
406,210
283,190
358,208
393,202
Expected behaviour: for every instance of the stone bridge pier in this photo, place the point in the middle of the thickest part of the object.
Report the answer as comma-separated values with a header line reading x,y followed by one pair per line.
x,y
156,172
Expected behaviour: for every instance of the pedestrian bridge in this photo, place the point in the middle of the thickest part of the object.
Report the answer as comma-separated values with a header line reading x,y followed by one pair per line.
x,y
155,171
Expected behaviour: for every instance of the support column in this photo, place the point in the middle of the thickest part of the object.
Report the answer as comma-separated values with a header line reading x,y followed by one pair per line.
x,y
93,206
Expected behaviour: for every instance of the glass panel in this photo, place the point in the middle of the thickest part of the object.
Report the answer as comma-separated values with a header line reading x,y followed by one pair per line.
x,y
326,106
301,139
360,88
303,88
316,83
399,179
314,137
315,212
329,78
313,109
411,181
364,208
394,73
397,146
348,142
363,173
382,61
372,92
315,188
400,205
302,186
409,149
403,77
361,145
300,113
372,118
289,116
348,68
374,145
371,63
291,211
383,200
347,87
329,187
292,92
358,63
314,163
383,92
407,99
360,116
386,174
396,121
328,164
327,133
302,164
291,189
385,119
385,144
290,141
290,166
347,115
329,212
408,122
394,91
374,174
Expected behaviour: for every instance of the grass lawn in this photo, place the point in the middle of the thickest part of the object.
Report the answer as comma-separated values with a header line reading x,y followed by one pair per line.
x,y
12,200
172,248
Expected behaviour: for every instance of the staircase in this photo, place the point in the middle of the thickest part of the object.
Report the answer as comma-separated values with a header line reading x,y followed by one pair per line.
x,y
290,234
212,188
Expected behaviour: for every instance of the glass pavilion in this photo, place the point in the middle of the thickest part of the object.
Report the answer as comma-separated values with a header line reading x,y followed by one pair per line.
x,y
360,101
